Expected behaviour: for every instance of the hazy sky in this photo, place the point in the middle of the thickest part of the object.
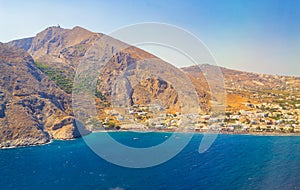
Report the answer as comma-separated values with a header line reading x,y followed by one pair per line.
x,y
251,35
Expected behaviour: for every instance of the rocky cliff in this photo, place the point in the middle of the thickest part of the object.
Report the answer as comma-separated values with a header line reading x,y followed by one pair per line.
x,y
33,109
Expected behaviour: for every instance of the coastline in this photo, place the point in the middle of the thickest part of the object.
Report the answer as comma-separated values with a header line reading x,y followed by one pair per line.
x,y
271,134
201,132
24,146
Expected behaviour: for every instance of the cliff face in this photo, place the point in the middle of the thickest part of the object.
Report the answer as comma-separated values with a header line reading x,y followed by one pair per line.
x,y
32,108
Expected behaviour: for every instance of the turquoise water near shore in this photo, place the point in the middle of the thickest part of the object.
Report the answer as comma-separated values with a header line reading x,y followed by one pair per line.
x,y
233,162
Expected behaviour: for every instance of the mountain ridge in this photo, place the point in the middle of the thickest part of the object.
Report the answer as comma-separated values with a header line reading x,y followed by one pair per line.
x,y
55,53
72,54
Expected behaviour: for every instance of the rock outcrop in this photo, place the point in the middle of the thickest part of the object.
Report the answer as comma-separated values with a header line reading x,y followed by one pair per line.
x,y
31,105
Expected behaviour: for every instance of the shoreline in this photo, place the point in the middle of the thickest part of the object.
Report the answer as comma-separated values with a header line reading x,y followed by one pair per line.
x,y
202,132
24,146
270,134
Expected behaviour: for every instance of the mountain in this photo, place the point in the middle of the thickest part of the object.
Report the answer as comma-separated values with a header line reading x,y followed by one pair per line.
x,y
33,109
61,50
37,76
125,76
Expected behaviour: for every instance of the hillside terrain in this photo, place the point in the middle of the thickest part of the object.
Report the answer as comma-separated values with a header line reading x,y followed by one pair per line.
x,y
245,87
58,52
33,109
37,77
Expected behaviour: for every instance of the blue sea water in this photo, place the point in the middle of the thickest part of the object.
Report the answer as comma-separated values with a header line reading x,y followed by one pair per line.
x,y
233,162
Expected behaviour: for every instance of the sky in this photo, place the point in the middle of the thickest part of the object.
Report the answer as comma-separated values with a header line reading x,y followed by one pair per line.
x,y
260,36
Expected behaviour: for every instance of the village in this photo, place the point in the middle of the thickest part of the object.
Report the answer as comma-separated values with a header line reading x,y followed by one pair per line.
x,y
258,118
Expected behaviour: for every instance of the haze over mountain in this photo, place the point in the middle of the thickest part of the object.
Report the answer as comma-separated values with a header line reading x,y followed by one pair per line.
x,y
37,75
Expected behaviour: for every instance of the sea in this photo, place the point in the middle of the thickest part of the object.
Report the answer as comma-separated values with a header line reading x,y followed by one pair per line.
x,y
232,162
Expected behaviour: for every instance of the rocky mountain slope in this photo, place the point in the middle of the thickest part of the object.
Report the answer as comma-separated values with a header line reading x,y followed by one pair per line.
x,y
242,87
33,109
63,49
138,76
57,47
36,83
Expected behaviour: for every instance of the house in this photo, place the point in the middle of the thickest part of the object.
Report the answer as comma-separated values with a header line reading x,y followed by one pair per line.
x,y
254,122
244,113
112,112
245,128
142,113
235,117
160,126
205,117
230,129
120,118
297,129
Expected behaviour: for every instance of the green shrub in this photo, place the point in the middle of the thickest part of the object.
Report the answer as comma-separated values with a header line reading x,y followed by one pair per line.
x,y
57,76
66,84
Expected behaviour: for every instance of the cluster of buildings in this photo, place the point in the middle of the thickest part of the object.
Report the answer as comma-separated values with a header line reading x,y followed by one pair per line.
x,y
259,118
260,121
